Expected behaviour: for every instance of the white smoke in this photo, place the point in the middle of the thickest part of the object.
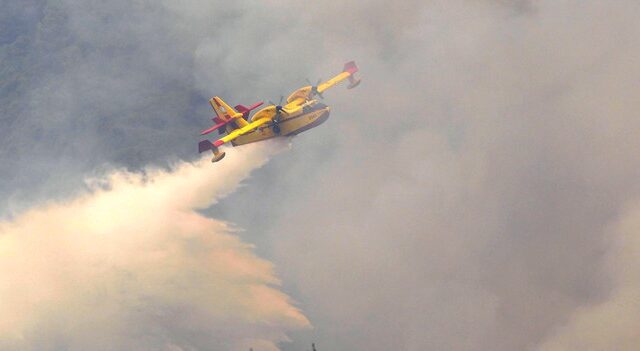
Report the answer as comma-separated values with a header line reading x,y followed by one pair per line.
x,y
456,200
614,323
132,265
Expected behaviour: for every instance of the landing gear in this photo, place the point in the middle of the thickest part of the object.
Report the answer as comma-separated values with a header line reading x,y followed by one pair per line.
x,y
276,128
217,155
276,118
206,145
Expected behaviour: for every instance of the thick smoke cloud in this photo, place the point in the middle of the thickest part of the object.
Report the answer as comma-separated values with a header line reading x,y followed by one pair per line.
x,y
473,178
464,197
612,324
132,265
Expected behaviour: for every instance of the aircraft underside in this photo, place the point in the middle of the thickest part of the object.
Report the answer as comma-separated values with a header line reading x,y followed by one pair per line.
x,y
288,126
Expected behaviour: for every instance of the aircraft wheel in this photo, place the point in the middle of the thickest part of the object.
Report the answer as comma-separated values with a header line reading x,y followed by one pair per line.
x,y
276,129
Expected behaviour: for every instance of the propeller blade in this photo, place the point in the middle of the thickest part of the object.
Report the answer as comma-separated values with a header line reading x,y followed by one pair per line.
x,y
314,88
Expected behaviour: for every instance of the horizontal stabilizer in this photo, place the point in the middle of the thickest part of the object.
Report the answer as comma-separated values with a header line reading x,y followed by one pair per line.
x,y
215,127
247,110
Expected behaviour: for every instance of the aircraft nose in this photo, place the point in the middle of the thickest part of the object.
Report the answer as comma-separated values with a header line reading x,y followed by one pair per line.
x,y
324,116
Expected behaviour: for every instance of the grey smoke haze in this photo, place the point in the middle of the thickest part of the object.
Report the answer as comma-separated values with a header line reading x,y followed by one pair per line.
x,y
465,197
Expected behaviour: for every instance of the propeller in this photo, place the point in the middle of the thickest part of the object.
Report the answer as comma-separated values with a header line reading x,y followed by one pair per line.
x,y
314,88
278,106
276,119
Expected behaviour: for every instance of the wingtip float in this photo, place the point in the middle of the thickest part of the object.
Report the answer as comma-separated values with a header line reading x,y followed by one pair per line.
x,y
301,112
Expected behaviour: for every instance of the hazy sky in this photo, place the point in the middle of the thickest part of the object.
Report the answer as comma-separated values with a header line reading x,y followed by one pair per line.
x,y
478,191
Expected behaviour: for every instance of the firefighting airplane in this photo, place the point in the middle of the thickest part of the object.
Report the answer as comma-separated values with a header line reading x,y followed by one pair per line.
x,y
301,112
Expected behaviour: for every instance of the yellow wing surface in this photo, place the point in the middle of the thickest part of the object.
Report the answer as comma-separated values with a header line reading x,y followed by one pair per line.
x,y
306,93
349,70
241,131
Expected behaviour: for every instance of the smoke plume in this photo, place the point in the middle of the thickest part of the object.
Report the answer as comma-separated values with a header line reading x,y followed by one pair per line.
x,y
132,265
473,193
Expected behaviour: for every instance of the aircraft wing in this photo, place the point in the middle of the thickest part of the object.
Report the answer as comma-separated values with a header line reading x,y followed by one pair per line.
x,y
349,70
241,131
306,93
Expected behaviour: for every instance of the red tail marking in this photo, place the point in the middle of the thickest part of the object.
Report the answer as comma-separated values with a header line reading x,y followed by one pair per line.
x,y
241,109
350,67
209,130
247,110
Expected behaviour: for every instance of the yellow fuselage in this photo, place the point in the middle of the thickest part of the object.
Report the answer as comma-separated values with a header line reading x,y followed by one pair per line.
x,y
304,117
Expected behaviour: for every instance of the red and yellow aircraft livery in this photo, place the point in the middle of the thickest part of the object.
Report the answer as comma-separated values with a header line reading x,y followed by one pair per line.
x,y
301,112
